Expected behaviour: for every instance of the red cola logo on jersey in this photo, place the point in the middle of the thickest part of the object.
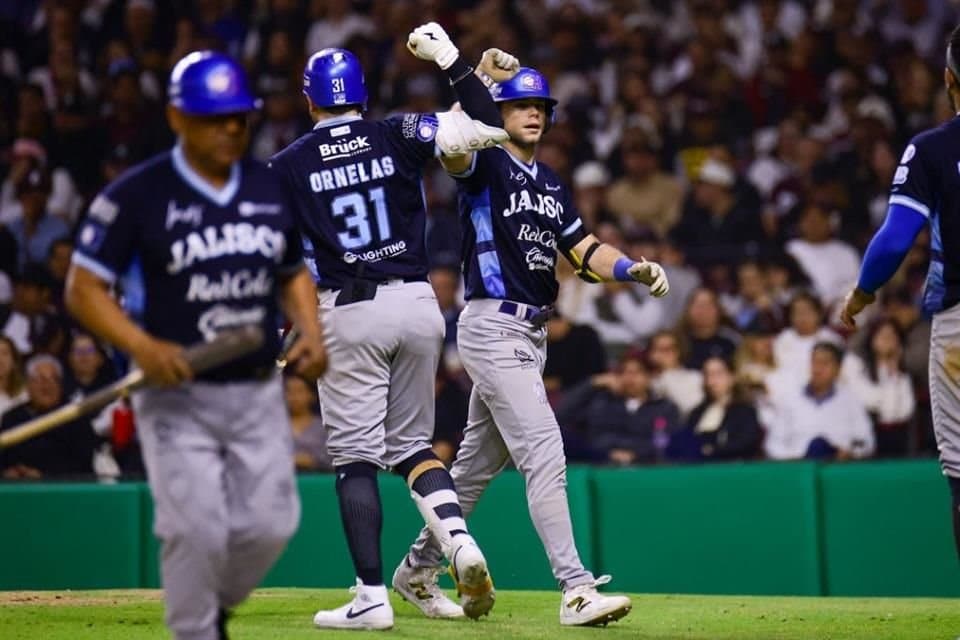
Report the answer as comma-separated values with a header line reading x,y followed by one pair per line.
x,y
545,205
227,239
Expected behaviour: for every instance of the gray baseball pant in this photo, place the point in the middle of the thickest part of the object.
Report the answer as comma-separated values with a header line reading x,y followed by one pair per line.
x,y
945,387
510,417
378,392
219,459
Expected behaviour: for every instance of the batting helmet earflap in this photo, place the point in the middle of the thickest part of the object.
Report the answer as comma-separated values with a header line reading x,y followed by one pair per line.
x,y
527,83
207,83
334,78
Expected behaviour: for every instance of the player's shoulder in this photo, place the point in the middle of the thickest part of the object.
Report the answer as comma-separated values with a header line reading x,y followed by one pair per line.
x,y
934,141
151,175
551,180
293,149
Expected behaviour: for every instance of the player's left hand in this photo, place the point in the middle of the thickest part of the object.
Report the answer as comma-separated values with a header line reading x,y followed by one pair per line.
x,y
855,302
652,275
430,42
308,356
498,65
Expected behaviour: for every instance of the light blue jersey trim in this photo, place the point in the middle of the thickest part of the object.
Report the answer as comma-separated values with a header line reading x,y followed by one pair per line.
x,y
332,122
530,169
135,290
907,201
576,225
221,196
487,258
93,266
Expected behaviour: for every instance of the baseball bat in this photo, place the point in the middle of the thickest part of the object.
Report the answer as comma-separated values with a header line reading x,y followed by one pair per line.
x,y
227,346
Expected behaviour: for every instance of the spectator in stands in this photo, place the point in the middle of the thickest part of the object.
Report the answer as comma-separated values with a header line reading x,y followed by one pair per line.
x,y
590,182
793,345
752,304
645,196
882,385
622,421
719,224
88,368
58,263
754,362
722,427
12,389
46,330
671,380
832,265
574,353
820,419
65,451
26,155
704,330
36,229
309,434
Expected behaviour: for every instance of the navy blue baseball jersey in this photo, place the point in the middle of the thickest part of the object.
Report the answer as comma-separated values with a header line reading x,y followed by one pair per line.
x,y
928,181
357,193
194,260
514,218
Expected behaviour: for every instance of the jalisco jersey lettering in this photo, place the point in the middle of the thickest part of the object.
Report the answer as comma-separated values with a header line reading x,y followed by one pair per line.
x,y
515,217
358,197
928,181
194,260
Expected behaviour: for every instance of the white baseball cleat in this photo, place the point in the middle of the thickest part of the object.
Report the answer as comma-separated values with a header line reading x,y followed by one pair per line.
x,y
584,606
474,586
419,588
369,609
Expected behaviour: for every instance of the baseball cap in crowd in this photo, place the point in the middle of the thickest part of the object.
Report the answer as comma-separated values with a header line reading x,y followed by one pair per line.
x,y
36,180
590,174
714,171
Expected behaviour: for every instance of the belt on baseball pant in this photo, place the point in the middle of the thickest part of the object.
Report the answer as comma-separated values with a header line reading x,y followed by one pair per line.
x,y
537,316
358,289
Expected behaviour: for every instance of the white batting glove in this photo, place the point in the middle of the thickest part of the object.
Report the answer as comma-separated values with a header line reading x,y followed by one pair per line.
x,y
498,65
458,134
652,275
430,42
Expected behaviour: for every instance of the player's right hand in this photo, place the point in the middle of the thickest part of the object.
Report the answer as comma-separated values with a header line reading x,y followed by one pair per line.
x,y
498,65
308,356
162,362
652,275
430,42
854,303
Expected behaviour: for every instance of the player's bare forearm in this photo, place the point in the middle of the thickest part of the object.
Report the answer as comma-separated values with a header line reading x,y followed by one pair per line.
x,y
602,260
298,297
89,300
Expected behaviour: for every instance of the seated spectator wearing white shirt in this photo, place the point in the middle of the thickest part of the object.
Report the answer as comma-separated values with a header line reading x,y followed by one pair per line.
x,y
820,419
792,346
879,379
12,388
671,380
831,264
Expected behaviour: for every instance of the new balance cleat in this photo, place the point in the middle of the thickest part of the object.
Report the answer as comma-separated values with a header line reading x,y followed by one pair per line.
x,y
419,588
584,606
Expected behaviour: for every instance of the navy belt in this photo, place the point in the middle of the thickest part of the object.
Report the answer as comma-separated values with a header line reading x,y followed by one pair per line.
x,y
537,316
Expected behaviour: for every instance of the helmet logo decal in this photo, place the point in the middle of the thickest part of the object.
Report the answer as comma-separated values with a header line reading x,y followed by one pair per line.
x,y
531,81
219,80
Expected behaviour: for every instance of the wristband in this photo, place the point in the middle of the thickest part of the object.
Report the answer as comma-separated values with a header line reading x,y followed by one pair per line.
x,y
621,270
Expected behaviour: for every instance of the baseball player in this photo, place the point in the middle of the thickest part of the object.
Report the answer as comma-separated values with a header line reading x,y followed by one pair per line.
x,y
203,240
926,189
358,199
517,217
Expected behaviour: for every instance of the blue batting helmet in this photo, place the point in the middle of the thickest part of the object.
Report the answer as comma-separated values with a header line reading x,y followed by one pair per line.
x,y
526,84
334,78
207,83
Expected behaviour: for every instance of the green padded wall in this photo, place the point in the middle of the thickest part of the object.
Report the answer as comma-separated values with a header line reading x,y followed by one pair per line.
x,y
887,530
726,528
69,536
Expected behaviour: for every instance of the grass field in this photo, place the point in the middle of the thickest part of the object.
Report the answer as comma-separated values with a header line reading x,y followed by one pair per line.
x,y
287,613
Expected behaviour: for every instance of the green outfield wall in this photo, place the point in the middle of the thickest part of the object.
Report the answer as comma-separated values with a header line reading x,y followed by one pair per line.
x,y
876,528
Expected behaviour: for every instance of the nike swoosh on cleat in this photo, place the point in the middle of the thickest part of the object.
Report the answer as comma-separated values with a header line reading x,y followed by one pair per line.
x,y
351,614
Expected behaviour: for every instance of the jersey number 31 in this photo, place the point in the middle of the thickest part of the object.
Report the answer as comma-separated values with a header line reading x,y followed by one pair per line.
x,y
352,207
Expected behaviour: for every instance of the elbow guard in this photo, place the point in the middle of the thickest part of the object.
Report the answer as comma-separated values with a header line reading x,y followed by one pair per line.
x,y
583,270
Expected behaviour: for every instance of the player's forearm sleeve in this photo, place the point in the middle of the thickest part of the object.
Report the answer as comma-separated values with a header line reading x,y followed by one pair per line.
x,y
473,95
889,246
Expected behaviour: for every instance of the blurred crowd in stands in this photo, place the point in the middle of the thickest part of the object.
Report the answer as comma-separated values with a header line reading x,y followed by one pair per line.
x,y
746,145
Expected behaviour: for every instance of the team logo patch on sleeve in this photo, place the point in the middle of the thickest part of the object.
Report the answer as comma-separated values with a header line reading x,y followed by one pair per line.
x,y
91,236
103,210
427,128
